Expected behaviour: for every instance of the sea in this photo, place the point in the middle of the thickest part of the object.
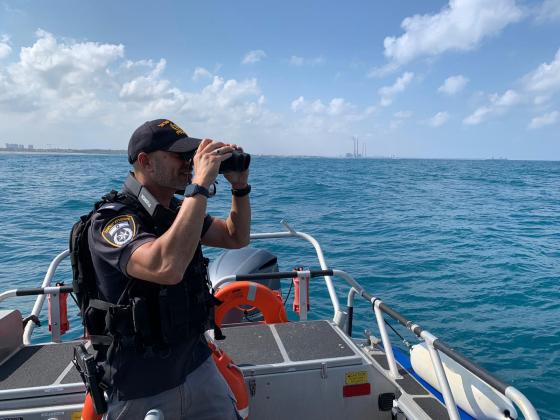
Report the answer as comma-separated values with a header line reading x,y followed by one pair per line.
x,y
468,249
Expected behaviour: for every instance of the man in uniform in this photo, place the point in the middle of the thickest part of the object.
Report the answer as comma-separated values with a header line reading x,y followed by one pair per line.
x,y
151,275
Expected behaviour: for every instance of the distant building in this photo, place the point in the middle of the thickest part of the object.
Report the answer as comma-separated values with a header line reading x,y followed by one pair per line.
x,y
30,147
13,146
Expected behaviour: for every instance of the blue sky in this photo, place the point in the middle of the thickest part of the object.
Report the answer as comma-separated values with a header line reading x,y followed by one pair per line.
x,y
457,79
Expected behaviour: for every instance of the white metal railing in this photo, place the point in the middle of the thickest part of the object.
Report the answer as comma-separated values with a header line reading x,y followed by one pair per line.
x,y
41,298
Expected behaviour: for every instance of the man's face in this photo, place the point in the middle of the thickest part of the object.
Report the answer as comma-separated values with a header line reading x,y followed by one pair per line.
x,y
171,170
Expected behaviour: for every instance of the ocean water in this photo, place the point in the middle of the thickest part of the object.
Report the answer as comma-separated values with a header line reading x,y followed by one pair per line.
x,y
470,250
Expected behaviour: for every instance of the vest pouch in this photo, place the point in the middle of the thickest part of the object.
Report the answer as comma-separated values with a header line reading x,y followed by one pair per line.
x,y
141,320
174,312
94,321
119,321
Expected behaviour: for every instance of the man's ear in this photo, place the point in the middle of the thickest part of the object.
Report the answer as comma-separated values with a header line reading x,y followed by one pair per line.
x,y
144,160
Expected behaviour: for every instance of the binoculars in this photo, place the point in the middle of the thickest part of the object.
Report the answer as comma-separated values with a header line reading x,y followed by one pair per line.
x,y
238,162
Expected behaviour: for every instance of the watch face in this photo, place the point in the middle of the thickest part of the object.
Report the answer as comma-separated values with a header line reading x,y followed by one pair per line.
x,y
194,189
190,190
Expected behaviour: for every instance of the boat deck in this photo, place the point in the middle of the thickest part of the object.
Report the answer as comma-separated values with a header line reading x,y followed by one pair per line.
x,y
39,365
39,376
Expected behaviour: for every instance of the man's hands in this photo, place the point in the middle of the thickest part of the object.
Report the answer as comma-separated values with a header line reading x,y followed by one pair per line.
x,y
207,160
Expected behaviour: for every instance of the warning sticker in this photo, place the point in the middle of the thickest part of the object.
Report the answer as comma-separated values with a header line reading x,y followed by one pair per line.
x,y
355,378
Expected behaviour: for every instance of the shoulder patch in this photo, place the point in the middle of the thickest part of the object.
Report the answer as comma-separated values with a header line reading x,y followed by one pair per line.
x,y
119,230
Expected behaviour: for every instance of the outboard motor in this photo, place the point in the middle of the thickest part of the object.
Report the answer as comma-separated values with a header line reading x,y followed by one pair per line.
x,y
244,261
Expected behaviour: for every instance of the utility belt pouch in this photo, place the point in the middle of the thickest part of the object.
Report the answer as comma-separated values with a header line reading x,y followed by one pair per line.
x,y
174,311
91,374
141,319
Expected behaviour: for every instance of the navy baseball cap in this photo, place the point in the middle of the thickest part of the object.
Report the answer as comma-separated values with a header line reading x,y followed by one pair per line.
x,y
160,135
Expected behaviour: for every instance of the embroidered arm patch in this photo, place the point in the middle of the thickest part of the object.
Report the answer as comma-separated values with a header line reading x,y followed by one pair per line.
x,y
120,230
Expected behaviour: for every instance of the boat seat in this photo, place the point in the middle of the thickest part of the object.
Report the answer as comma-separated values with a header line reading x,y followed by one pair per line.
x,y
11,333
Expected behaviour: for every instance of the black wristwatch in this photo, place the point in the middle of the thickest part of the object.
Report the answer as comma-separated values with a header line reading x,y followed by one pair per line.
x,y
241,192
194,189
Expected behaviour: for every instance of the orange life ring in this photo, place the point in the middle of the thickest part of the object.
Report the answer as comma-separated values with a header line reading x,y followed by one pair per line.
x,y
250,293
234,378
88,412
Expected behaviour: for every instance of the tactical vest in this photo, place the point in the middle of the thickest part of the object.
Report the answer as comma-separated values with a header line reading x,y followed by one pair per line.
x,y
148,316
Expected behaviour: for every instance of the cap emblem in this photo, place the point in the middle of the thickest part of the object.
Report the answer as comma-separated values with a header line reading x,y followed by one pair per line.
x,y
178,130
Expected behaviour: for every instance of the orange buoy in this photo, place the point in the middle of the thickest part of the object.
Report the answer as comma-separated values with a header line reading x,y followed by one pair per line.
x,y
88,412
234,378
250,293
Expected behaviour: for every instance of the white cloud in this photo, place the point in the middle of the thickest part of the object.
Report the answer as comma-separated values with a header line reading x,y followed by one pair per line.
x,y
541,99
58,82
548,11
388,93
147,87
334,116
301,61
58,77
201,73
439,119
5,49
453,85
298,104
498,105
546,119
336,106
537,87
479,115
253,57
509,98
403,114
545,78
459,26
399,119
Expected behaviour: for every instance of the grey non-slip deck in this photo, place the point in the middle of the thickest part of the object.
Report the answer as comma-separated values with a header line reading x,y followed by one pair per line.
x,y
427,403
262,344
39,365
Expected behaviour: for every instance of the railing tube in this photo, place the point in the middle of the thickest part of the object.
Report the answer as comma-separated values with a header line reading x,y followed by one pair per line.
x,y
318,250
522,402
224,280
8,294
41,298
441,376
350,310
387,347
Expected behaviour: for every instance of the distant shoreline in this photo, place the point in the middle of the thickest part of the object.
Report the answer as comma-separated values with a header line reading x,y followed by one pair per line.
x,y
74,151
125,152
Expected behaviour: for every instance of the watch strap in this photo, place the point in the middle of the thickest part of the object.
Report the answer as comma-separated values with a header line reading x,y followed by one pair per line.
x,y
241,192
